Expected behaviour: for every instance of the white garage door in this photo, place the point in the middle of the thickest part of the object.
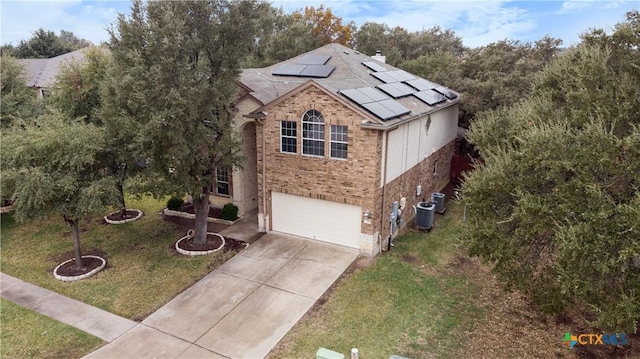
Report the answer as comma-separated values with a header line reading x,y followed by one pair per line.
x,y
327,221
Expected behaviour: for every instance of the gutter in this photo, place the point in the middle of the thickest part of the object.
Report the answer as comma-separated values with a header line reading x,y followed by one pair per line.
x,y
393,126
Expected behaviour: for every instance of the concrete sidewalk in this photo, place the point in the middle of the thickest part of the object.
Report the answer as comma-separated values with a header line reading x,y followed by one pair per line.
x,y
243,308
92,320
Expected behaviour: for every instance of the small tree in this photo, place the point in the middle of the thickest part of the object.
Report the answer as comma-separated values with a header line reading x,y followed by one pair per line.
x,y
56,166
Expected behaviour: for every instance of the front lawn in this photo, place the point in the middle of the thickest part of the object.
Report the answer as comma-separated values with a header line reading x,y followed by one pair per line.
x,y
426,298
143,269
26,334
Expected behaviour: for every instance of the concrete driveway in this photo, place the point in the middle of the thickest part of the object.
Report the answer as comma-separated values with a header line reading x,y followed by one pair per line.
x,y
243,308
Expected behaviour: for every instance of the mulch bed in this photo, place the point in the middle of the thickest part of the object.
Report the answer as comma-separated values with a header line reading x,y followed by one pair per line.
x,y
71,270
119,217
213,212
212,243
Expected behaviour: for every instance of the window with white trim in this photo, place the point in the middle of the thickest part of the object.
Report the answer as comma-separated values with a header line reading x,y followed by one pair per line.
x,y
222,182
313,133
339,142
288,137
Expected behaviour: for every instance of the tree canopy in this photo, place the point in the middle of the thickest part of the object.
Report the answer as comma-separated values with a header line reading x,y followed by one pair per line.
x,y
45,44
77,85
555,204
18,101
173,83
54,165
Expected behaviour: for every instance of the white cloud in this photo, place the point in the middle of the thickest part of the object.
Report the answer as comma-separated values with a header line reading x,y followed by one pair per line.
x,y
87,20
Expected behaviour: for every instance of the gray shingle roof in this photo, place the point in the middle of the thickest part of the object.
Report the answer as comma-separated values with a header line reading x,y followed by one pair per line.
x,y
42,73
349,73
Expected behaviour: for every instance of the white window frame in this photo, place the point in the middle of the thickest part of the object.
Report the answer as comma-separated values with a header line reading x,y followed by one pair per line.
x,y
345,142
308,121
219,181
283,136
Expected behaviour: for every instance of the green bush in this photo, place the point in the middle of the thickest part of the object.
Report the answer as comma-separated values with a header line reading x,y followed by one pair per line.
x,y
230,212
175,203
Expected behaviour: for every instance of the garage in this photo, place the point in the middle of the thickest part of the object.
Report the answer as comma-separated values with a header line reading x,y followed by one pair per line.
x,y
326,221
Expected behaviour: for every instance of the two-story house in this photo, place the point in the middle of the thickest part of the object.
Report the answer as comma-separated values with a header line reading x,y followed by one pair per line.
x,y
339,147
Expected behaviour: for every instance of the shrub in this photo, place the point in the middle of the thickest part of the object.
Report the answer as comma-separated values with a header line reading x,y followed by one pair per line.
x,y
175,203
230,212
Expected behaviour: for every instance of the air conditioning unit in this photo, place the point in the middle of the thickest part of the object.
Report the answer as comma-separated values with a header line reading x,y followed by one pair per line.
x,y
438,199
425,215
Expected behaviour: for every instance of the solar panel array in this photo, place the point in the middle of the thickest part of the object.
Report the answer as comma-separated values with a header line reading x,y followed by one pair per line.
x,y
376,102
307,66
399,83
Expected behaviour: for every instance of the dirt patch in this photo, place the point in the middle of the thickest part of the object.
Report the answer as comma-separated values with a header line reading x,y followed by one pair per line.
x,y
410,258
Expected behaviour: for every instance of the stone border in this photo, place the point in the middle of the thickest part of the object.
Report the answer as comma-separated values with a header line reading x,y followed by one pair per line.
x,y
170,212
81,276
6,209
199,253
140,213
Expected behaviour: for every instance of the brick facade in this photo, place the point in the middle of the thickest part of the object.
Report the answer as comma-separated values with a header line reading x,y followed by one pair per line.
x,y
351,181
405,186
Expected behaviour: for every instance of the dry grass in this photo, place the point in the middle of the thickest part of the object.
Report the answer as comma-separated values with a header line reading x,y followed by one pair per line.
x,y
428,299
26,334
143,271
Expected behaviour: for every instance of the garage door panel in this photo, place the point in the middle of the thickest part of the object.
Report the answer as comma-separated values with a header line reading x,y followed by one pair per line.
x,y
327,221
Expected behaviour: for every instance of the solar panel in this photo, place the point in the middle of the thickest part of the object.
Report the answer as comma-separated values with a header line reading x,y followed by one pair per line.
x,y
374,66
381,111
289,70
321,71
430,97
400,75
396,89
395,107
314,60
384,77
445,91
421,84
373,93
356,96
376,102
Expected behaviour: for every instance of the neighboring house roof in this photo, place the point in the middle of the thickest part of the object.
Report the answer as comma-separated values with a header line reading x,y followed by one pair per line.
x,y
41,73
349,73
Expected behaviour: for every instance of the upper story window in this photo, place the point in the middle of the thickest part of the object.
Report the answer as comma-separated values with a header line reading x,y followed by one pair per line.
x,y
339,142
313,133
288,137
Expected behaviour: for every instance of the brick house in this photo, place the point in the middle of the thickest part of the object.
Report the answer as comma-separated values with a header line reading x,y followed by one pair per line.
x,y
334,142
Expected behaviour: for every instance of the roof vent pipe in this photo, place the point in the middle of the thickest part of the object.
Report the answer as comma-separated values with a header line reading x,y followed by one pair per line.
x,y
378,56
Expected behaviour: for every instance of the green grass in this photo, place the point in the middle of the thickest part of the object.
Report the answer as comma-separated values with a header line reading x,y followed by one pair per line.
x,y
409,302
143,271
26,334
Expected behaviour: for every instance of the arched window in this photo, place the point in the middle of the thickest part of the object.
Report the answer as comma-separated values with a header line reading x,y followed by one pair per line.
x,y
313,133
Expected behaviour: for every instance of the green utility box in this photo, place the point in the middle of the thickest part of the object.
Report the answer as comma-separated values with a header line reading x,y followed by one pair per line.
x,y
324,353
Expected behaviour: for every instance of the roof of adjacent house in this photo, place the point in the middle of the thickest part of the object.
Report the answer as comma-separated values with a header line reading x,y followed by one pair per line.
x,y
363,82
42,73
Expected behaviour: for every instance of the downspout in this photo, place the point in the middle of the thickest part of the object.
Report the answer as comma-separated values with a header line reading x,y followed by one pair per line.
x,y
264,176
384,186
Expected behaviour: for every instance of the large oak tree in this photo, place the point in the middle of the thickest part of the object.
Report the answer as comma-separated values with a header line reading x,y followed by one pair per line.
x,y
174,73
555,205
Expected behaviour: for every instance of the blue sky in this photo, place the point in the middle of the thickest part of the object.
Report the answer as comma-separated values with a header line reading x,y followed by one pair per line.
x,y
477,22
